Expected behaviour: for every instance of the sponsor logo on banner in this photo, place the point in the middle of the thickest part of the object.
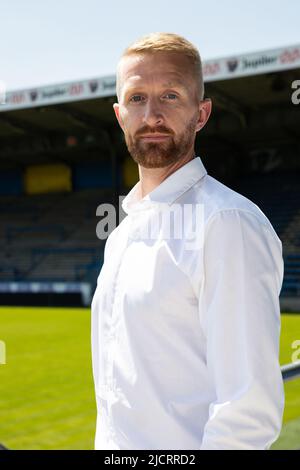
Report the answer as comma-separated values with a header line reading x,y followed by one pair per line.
x,y
108,83
260,61
93,86
76,89
232,64
16,98
53,93
211,68
33,95
290,56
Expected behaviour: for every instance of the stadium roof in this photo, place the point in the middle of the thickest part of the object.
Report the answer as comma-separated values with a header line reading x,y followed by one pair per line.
x,y
251,96
225,68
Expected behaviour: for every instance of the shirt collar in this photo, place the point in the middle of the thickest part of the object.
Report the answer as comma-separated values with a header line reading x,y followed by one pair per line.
x,y
169,190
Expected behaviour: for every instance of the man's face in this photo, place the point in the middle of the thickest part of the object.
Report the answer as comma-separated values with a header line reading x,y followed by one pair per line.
x,y
158,108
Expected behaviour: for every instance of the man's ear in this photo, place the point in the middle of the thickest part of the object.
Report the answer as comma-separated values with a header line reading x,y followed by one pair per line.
x,y
205,107
116,107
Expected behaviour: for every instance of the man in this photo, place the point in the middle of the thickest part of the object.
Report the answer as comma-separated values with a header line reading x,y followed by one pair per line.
x,y
185,329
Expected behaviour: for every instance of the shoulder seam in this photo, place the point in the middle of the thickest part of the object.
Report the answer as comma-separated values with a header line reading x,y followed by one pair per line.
x,y
261,218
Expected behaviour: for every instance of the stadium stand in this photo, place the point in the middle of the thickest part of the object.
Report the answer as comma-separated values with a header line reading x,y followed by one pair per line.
x,y
51,237
62,153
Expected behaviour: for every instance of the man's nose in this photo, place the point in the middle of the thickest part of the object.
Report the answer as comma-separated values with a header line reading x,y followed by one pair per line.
x,y
153,115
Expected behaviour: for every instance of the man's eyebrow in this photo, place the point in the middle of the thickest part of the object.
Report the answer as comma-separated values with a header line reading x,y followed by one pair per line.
x,y
168,84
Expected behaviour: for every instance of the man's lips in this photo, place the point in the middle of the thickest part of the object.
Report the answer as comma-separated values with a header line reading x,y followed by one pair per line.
x,y
154,137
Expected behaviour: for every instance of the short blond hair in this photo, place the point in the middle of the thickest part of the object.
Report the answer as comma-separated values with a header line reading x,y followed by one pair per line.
x,y
165,42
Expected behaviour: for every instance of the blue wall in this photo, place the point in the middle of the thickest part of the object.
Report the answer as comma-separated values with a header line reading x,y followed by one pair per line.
x,y
11,182
92,175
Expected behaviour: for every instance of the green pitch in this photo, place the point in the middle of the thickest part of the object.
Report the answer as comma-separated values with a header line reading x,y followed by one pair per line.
x,y
46,386
290,434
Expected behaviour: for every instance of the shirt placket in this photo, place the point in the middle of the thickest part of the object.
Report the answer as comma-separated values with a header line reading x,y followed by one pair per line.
x,y
111,338
111,343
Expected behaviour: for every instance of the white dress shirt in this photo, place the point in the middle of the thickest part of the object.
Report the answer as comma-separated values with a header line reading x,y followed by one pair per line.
x,y
185,341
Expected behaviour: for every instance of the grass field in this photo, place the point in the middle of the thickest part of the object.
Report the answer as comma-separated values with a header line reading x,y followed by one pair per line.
x,y
46,385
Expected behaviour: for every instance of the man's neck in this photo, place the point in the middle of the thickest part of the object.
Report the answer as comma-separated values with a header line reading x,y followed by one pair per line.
x,y
150,178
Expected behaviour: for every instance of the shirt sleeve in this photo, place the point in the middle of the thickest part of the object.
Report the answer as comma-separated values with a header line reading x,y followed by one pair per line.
x,y
240,313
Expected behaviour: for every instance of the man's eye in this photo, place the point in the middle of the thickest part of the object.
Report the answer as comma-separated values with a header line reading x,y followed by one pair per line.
x,y
172,96
136,98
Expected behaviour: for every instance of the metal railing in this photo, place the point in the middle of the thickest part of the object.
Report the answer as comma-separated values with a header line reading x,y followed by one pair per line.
x,y
290,371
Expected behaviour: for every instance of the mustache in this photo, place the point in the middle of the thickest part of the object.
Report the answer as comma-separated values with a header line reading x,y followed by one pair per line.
x,y
149,130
